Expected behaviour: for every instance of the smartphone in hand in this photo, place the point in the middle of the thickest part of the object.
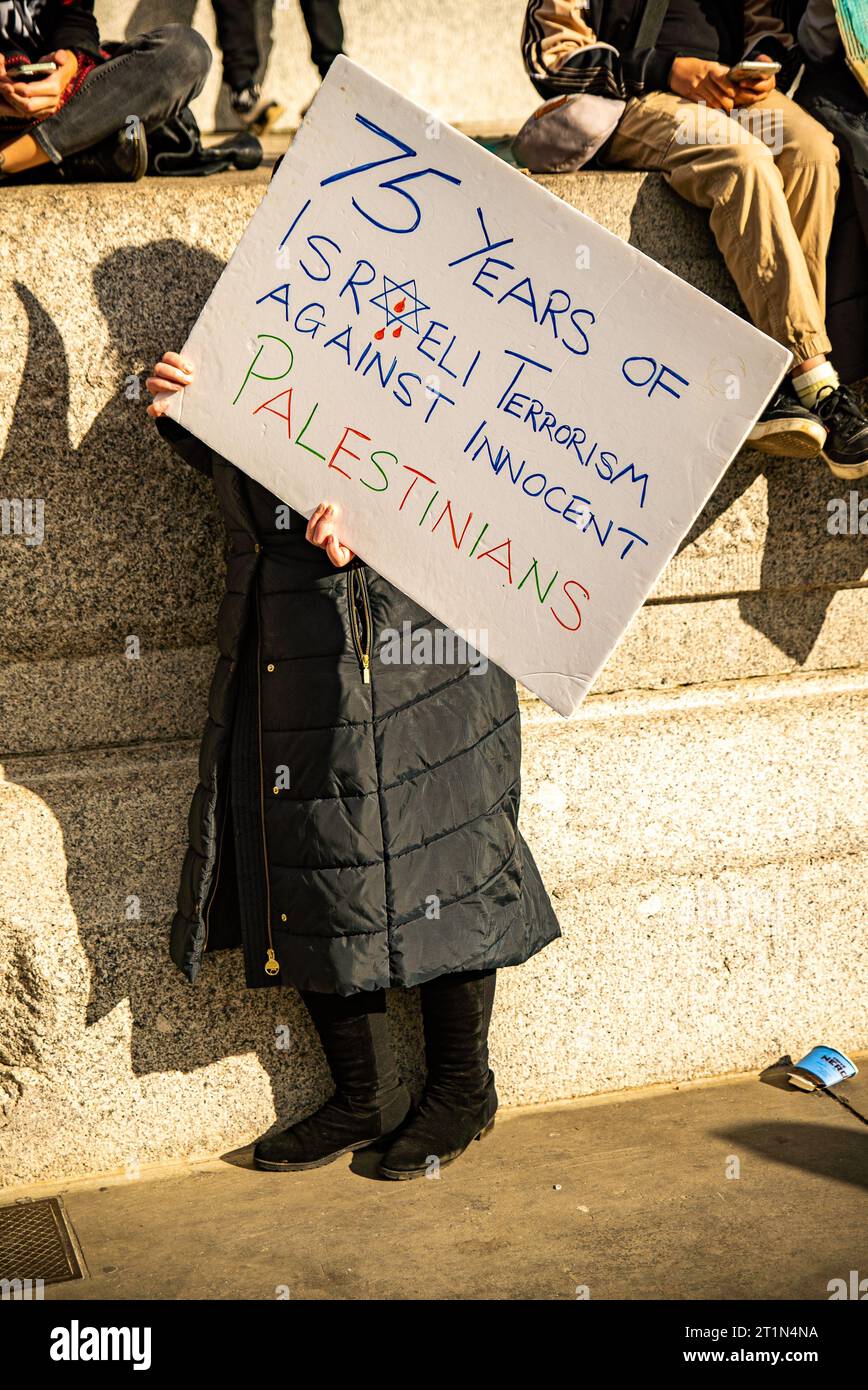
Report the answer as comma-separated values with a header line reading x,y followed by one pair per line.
x,y
31,72
743,72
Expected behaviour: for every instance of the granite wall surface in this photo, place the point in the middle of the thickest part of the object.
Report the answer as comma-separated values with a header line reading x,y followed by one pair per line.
x,y
701,825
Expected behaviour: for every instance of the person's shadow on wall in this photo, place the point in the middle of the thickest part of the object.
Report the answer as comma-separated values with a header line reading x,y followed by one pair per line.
x,y
123,835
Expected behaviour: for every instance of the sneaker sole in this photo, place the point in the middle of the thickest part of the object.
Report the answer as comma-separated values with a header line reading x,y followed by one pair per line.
x,y
783,441
272,1166
851,471
403,1174
265,120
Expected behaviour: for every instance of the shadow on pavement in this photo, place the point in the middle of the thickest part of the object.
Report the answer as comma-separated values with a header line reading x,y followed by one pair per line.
x,y
829,1151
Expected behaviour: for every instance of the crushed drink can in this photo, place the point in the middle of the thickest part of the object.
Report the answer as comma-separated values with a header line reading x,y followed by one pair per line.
x,y
822,1066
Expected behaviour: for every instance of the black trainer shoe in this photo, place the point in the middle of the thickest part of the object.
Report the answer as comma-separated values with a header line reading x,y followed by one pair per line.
x,y
244,100
265,117
256,113
846,446
786,429
120,158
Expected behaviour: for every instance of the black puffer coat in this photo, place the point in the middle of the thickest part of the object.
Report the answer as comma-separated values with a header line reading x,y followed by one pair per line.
x,y
387,794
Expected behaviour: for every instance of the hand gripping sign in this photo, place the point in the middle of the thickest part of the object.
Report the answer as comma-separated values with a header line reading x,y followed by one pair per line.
x,y
517,415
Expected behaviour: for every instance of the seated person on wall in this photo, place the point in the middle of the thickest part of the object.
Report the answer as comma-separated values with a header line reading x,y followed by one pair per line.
x,y
75,116
764,169
830,91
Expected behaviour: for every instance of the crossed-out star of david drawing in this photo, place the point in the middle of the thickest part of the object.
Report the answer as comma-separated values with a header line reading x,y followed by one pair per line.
x,y
401,305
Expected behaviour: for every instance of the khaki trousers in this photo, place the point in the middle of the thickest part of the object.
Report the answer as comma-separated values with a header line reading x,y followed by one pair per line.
x,y
769,177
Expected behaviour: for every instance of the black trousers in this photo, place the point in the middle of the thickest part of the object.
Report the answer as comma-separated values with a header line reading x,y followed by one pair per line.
x,y
322,20
834,98
151,76
236,35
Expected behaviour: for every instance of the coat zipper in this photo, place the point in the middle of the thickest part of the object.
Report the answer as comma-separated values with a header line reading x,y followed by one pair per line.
x,y
216,878
272,964
362,642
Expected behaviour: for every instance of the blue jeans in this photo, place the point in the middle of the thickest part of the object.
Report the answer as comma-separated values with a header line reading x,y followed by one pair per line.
x,y
151,76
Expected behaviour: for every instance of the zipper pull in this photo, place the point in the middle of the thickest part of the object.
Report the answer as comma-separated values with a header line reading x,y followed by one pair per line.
x,y
366,669
272,966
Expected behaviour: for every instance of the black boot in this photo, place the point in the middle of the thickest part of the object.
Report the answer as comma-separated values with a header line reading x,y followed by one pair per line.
x,y
460,1101
121,158
175,148
370,1100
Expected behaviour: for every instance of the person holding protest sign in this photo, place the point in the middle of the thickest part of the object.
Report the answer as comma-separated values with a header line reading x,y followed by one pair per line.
x,y
355,824
703,107
68,102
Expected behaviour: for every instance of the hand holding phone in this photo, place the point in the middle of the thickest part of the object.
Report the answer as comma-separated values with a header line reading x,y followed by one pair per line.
x,y
30,72
702,81
753,80
36,89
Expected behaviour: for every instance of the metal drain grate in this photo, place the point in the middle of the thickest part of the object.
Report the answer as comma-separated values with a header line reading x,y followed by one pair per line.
x,y
37,1242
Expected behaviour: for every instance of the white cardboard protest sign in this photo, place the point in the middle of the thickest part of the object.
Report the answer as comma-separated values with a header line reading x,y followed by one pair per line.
x,y
517,415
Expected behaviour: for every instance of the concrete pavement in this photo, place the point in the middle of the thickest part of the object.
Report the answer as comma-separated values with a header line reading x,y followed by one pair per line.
x,y
712,1190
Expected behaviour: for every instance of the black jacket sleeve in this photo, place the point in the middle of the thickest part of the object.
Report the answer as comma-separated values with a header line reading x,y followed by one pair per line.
x,y
628,74
568,49
790,59
185,444
770,27
75,27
